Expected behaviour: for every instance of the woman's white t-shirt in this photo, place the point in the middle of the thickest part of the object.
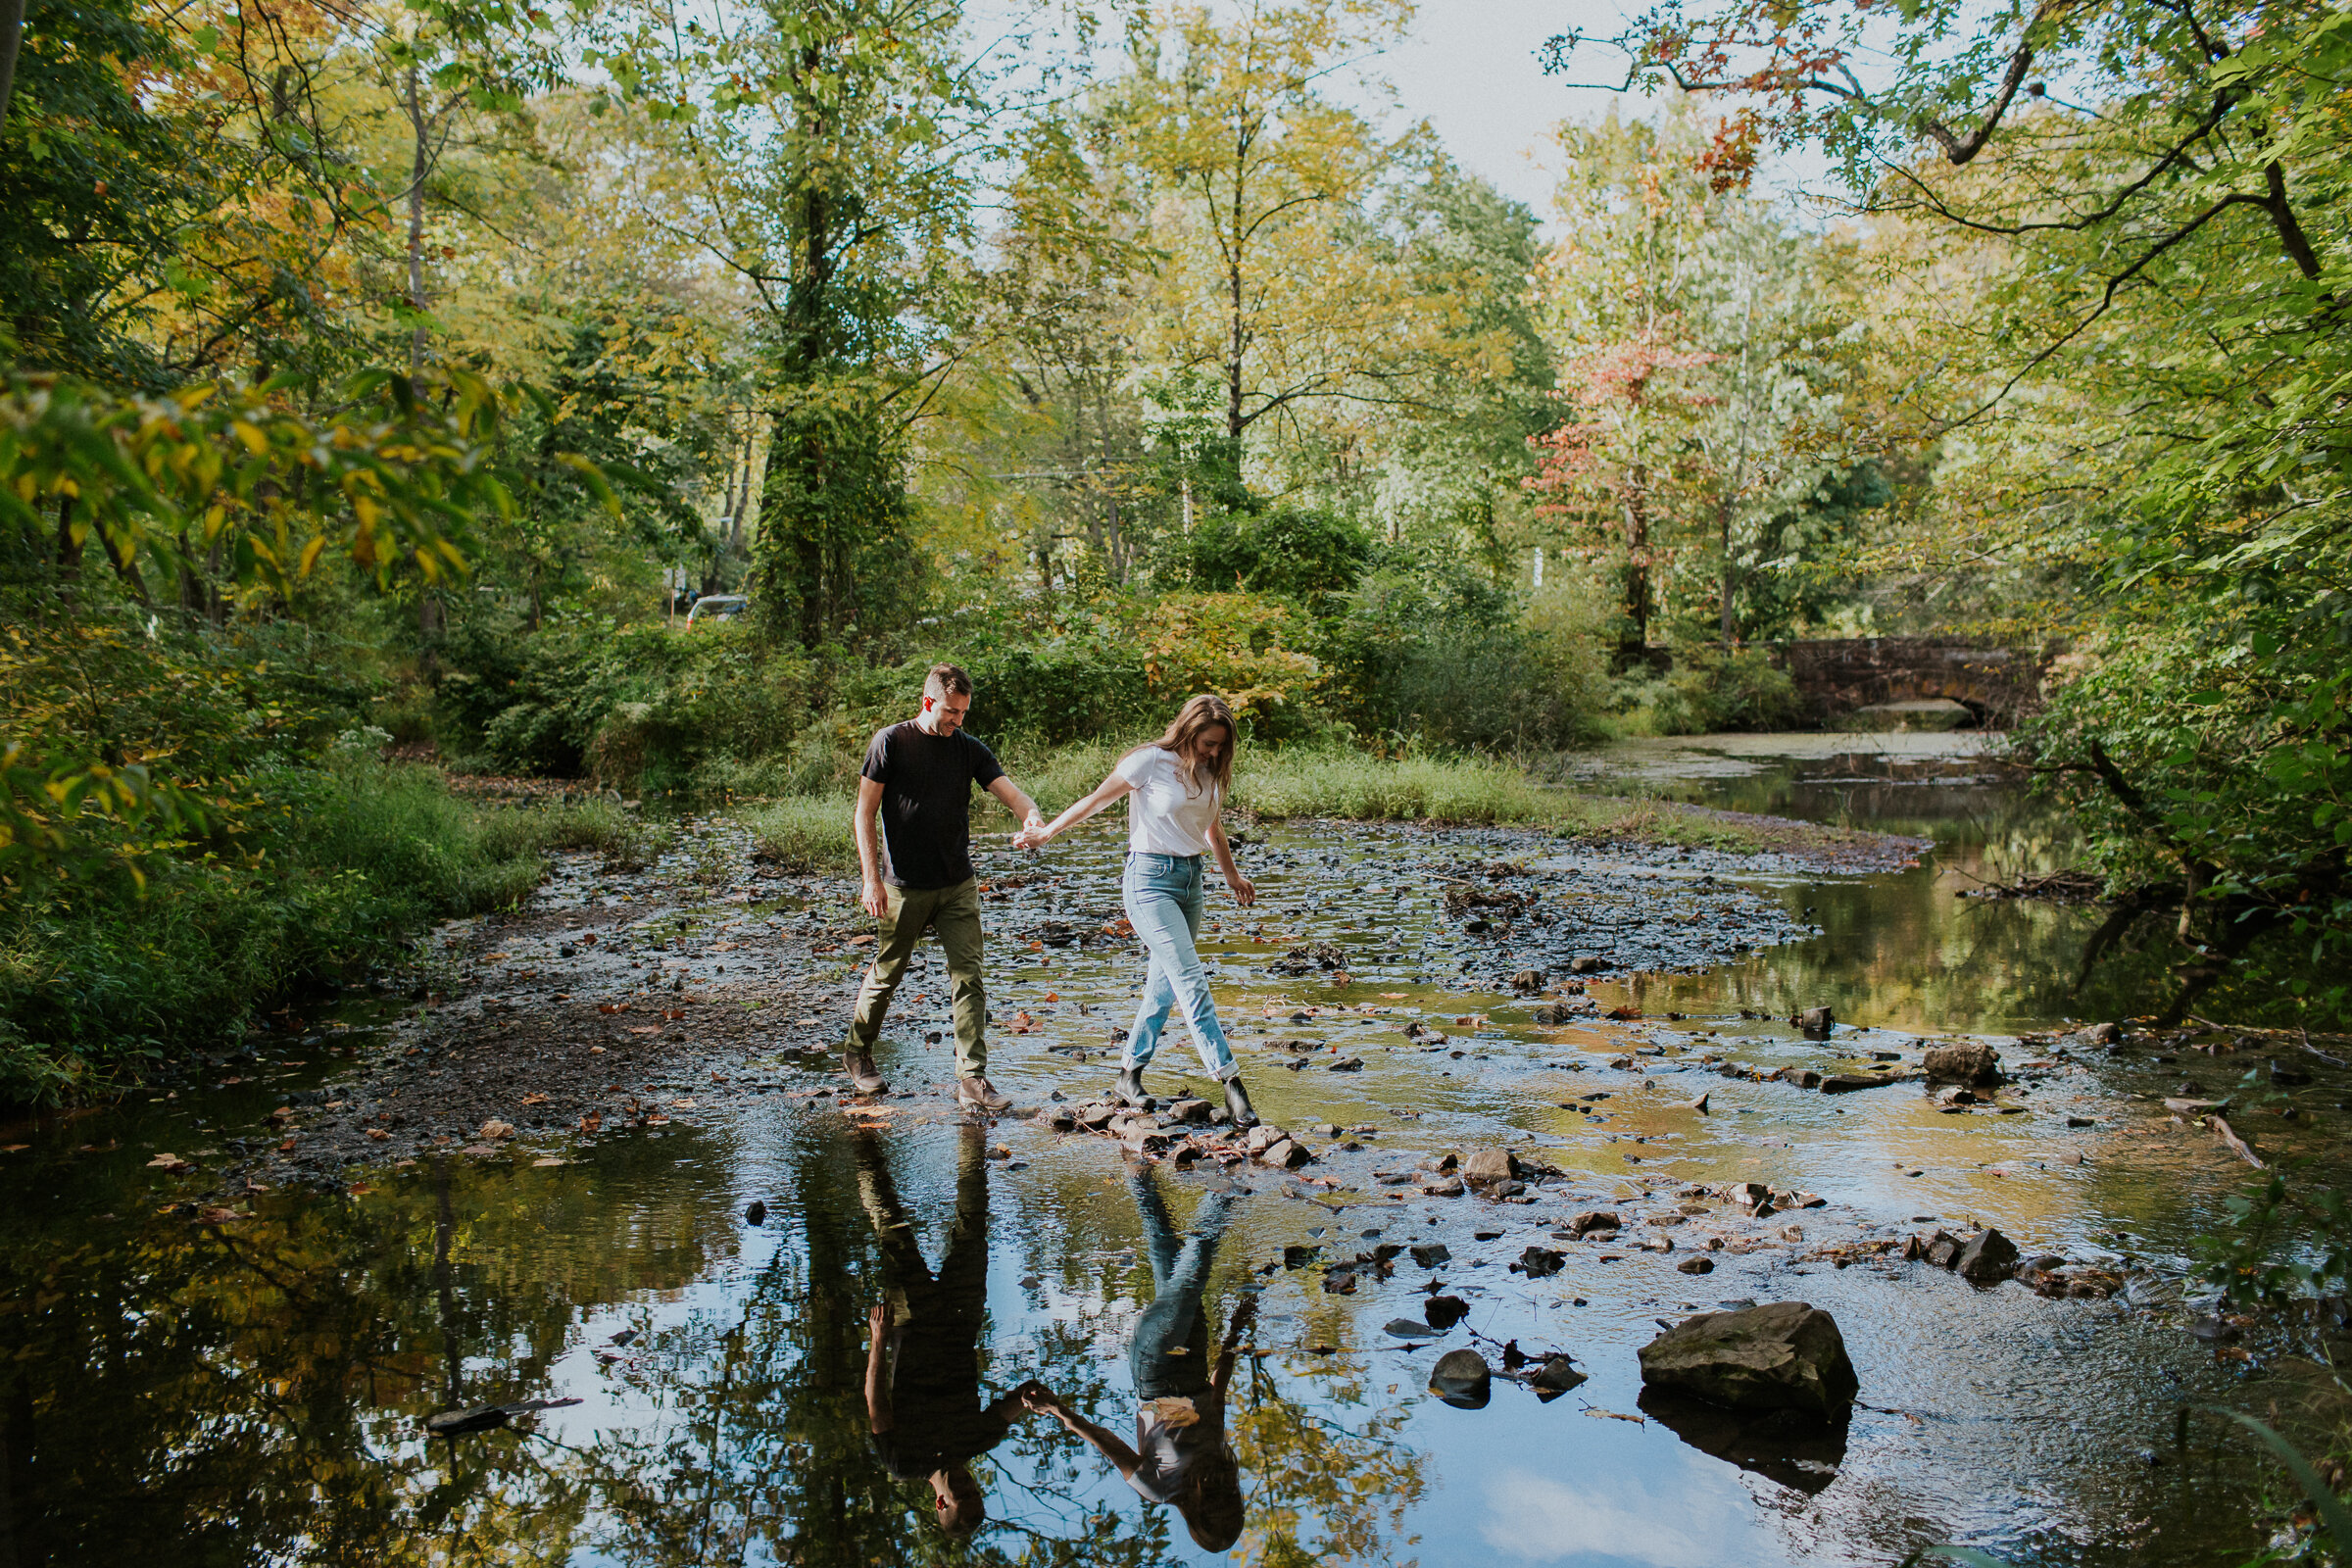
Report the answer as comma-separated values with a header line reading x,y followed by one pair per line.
x,y
1164,815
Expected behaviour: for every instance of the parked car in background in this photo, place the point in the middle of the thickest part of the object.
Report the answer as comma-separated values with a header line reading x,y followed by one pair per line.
x,y
718,607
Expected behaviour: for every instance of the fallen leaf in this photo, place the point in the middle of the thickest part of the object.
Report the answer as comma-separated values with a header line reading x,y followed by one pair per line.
x,y
681,1104
545,1160
645,1028
286,1148
657,1121
170,1163
534,1099
378,1134
218,1217
612,1006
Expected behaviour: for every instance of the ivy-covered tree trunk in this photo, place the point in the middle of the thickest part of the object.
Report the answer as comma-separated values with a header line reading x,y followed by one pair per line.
x,y
832,550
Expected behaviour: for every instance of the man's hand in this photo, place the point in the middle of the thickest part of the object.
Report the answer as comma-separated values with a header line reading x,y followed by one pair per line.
x,y
1032,837
1035,1395
1244,891
878,1320
875,898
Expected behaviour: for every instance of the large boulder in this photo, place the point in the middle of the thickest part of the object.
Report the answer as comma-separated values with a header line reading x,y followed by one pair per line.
x,y
1971,1061
1784,1356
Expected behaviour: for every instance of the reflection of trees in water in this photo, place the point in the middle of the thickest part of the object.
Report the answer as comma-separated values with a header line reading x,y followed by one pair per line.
x,y
1321,1492
252,1393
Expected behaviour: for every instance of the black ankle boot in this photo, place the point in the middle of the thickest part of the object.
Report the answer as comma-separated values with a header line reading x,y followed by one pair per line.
x,y
1129,1090
1236,1103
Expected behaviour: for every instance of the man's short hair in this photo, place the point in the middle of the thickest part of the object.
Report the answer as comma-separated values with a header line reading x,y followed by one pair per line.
x,y
946,678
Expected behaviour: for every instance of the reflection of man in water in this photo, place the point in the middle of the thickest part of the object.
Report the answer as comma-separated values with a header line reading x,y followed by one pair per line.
x,y
1181,1455
922,1365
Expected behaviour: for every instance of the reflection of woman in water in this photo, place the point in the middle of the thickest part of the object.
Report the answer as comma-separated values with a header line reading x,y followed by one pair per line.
x,y
1181,1455
922,1367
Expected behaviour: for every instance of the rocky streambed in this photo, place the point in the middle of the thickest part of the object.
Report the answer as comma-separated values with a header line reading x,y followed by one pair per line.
x,y
1532,1103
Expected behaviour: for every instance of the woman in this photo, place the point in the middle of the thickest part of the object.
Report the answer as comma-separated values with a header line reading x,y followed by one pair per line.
x,y
1179,783
1182,1456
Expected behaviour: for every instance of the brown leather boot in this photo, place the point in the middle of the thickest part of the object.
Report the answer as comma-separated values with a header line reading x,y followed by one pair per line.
x,y
980,1092
860,1065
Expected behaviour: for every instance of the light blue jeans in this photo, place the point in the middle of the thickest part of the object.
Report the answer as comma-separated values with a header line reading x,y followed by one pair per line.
x,y
1162,893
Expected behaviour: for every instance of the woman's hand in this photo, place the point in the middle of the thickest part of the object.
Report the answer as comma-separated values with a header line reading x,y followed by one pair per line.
x,y
1244,891
1035,837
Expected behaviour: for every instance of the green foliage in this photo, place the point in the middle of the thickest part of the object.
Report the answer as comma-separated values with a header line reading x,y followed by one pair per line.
x,y
1708,689
642,706
340,864
801,833
1310,557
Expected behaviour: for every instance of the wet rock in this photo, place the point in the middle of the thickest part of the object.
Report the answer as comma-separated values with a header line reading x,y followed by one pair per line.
x,y
1527,980
2288,1074
1264,1136
1816,1022
1587,966
1783,1356
1431,1254
1593,1219
1696,1265
1405,1328
1802,1077
1287,1156
1464,1379
1093,1118
755,1213
1553,1378
1971,1061
1300,1257
2104,1034
1937,1248
1347,1065
1988,1259
1440,1163
1538,1261
1194,1113
2194,1108
1062,1121
494,1129
1796,1450
1443,1187
1845,1083
1338,1281
1488,1166
1444,1311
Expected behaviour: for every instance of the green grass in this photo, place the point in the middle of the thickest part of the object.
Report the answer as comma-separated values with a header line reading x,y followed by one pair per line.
x,y
802,832
100,983
809,832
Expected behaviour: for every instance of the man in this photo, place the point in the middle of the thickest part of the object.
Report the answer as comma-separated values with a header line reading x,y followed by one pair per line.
x,y
923,1400
919,775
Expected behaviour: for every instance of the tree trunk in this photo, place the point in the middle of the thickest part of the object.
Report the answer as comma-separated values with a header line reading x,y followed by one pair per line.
x,y
1640,606
420,164
12,37
1725,519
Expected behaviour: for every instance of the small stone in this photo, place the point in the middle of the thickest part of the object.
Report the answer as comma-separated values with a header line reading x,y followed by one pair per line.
x,y
1596,1219
1405,1328
1988,1259
494,1129
1968,1062
1488,1166
1444,1311
1431,1254
1464,1379
1440,1163
1586,966
755,1213
1443,1187
1300,1257
1556,1376
1696,1265
1816,1022
2104,1034
1539,1261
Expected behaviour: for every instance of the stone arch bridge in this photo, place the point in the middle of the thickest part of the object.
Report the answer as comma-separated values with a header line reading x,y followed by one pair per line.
x,y
1835,676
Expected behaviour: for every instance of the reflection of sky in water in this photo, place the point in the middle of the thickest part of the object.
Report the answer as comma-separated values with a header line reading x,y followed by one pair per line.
x,y
1598,1519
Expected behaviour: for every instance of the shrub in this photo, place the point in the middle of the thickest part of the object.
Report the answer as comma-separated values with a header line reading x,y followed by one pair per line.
x,y
1708,690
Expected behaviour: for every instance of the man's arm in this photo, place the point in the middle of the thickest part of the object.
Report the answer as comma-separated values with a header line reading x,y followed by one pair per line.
x,y
870,849
1020,804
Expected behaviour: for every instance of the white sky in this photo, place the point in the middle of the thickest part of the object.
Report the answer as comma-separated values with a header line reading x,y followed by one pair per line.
x,y
1470,69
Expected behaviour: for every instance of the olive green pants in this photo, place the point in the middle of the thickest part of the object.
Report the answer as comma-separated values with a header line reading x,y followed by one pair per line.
x,y
956,913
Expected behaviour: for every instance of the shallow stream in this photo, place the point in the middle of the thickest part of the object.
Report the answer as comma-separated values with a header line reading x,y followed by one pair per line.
x,y
206,1379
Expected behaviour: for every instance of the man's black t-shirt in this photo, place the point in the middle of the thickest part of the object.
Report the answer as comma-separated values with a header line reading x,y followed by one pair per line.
x,y
927,802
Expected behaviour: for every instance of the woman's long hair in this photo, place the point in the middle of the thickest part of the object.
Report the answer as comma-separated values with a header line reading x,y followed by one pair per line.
x,y
1201,713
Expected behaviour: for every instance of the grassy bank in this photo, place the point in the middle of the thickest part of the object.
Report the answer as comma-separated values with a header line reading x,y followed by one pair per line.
x,y
809,832
106,982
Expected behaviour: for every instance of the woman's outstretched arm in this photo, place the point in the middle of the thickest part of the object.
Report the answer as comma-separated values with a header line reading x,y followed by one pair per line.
x,y
1103,1442
1109,790
1244,891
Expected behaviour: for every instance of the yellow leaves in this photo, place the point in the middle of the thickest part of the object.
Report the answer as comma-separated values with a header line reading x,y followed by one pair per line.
x,y
251,434
310,556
